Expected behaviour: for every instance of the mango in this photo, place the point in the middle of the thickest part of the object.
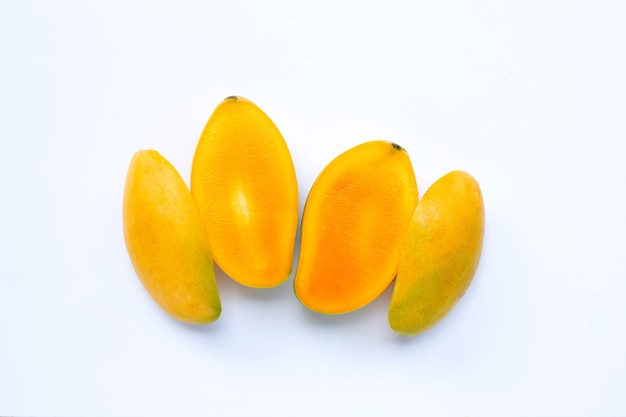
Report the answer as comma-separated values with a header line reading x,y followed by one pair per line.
x,y
440,254
354,222
244,183
166,240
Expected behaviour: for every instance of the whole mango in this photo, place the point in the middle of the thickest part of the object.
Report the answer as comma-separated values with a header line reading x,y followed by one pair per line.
x,y
440,253
166,240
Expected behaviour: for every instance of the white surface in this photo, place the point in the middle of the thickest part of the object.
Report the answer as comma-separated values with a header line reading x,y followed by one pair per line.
x,y
530,98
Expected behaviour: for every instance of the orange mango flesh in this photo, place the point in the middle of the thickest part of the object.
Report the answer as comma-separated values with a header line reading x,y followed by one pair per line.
x,y
244,183
354,222
166,240
440,255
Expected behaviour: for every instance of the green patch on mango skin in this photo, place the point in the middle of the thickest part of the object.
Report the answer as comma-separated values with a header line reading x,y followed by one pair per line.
x,y
440,254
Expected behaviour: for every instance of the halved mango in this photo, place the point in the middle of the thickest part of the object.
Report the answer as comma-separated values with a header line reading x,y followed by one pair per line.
x,y
355,219
244,183
166,240
440,253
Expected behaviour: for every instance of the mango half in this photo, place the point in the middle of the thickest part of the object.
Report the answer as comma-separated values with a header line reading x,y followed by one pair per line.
x,y
166,241
354,222
440,254
244,183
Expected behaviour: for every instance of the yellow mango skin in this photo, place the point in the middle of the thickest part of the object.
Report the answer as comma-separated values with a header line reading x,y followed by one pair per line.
x,y
244,183
166,241
355,219
440,254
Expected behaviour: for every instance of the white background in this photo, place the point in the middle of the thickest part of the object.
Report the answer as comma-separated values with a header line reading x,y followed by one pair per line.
x,y
529,97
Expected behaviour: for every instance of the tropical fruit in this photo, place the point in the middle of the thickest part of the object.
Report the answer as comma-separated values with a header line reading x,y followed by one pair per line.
x,y
353,226
166,241
244,183
440,253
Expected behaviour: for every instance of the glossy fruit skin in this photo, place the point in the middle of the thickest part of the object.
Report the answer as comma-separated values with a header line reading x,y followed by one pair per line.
x,y
244,183
440,255
166,241
354,222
